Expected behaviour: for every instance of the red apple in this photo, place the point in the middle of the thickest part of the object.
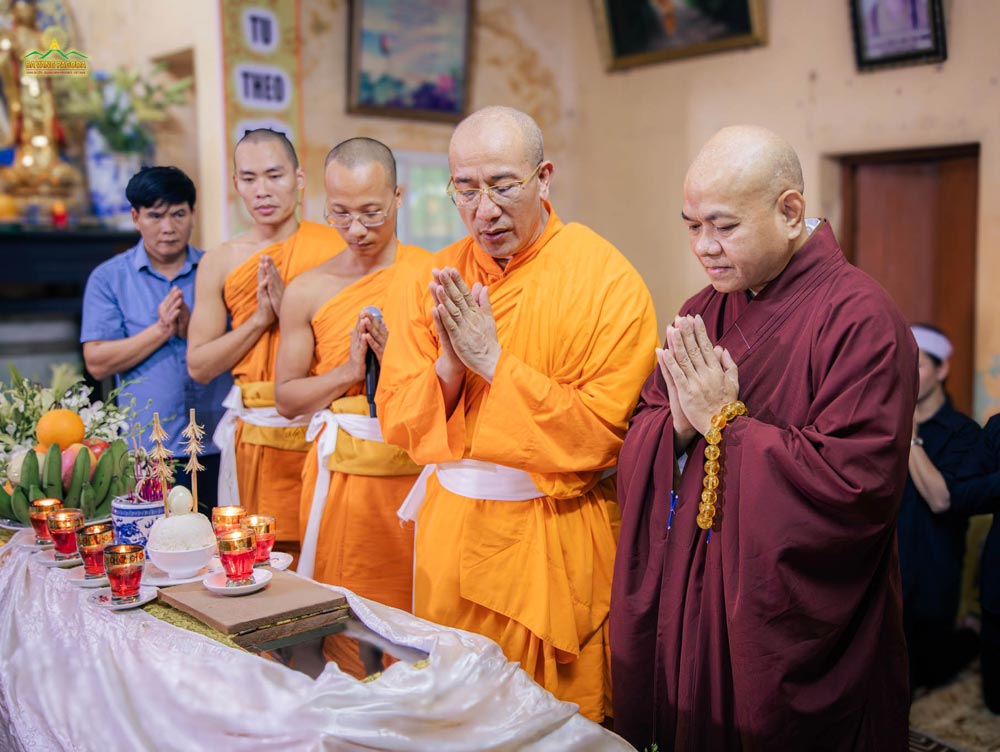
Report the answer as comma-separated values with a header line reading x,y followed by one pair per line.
x,y
69,459
97,447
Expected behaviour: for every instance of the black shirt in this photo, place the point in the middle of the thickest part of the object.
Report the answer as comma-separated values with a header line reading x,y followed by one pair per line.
x,y
981,495
932,546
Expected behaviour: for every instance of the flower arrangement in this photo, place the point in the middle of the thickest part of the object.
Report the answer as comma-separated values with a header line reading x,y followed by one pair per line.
x,y
122,105
24,402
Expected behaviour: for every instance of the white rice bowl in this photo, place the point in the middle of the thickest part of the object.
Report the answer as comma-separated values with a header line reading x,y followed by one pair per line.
x,y
181,544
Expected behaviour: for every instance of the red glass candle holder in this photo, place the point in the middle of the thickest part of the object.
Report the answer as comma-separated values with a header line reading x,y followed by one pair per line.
x,y
91,541
39,513
124,564
225,519
237,552
263,526
63,525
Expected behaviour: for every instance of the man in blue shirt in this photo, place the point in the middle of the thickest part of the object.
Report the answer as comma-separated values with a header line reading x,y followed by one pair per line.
x,y
136,310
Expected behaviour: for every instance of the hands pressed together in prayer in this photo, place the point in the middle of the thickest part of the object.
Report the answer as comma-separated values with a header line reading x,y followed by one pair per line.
x,y
370,332
270,289
173,314
701,378
465,325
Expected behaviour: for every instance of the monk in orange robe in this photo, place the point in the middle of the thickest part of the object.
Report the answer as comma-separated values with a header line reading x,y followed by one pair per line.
x,y
234,327
347,518
516,378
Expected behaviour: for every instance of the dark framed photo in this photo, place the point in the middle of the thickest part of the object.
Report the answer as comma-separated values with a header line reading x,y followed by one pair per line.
x,y
890,33
410,58
640,32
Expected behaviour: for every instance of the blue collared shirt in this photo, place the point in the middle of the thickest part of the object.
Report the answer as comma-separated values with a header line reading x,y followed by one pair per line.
x,y
122,298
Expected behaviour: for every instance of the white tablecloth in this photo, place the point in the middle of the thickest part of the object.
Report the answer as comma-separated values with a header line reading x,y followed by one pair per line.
x,y
77,677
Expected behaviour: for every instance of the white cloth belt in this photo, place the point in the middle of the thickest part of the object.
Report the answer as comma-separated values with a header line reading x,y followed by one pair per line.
x,y
358,426
475,479
472,479
225,438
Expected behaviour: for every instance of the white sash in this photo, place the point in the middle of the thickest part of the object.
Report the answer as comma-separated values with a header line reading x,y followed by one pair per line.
x,y
358,426
225,438
472,479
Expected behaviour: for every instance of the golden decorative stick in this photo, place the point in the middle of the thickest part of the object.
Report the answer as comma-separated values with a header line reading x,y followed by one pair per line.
x,y
161,461
193,436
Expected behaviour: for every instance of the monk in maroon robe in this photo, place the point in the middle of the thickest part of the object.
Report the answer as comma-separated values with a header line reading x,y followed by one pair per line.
x,y
779,626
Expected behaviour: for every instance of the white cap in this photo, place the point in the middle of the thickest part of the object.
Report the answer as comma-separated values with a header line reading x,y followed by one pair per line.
x,y
932,342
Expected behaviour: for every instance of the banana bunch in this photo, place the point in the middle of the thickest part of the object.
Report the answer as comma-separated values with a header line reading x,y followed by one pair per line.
x,y
113,476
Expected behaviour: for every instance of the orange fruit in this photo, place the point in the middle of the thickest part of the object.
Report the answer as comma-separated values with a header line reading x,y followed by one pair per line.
x,y
41,449
62,427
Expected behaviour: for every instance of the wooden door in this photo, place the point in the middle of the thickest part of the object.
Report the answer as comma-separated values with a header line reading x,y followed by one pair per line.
x,y
910,222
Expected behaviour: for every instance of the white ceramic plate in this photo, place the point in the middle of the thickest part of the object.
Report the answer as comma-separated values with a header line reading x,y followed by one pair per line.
x,y
78,577
47,558
102,598
280,561
156,577
12,524
32,546
217,583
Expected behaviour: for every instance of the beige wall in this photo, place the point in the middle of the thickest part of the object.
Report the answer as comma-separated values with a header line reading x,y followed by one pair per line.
x,y
641,127
621,142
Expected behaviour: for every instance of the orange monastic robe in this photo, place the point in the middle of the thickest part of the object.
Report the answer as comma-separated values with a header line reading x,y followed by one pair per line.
x,y
362,545
577,330
269,460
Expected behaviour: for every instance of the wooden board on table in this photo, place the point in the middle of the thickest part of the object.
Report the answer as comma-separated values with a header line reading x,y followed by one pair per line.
x,y
285,598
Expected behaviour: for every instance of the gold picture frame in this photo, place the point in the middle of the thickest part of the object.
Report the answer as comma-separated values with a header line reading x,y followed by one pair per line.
x,y
410,58
642,32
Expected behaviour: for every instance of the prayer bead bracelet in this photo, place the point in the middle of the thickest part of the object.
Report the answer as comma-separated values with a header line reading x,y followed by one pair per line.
x,y
706,509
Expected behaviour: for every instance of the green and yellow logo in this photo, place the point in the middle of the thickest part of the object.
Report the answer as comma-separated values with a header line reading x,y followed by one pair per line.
x,y
55,62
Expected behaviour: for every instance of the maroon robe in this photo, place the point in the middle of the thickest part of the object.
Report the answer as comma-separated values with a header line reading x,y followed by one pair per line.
x,y
784,630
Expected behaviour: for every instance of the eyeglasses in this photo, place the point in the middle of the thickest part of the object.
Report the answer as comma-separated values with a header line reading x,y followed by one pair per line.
x,y
343,220
501,195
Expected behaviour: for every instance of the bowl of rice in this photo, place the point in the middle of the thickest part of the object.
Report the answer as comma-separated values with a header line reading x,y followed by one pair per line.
x,y
181,544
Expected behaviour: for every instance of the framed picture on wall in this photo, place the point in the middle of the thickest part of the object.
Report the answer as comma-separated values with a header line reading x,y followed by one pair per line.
x,y
640,32
410,58
889,33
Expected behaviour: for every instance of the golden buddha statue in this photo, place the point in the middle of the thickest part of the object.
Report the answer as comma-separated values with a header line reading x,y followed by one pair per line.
x,y
37,174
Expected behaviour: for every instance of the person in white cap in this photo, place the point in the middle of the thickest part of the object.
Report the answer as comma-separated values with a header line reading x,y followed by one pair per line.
x,y
946,449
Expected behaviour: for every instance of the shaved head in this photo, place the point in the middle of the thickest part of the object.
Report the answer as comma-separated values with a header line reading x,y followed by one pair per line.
x,y
263,135
356,152
517,130
748,158
743,207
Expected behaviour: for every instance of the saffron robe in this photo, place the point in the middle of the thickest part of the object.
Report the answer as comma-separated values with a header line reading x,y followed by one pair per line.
x,y
784,630
362,545
577,330
269,460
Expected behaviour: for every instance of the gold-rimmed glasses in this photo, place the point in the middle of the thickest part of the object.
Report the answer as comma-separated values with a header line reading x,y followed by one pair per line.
x,y
502,194
343,220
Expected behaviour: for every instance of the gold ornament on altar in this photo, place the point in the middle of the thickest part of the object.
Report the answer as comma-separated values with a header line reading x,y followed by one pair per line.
x,y
162,461
193,436
37,174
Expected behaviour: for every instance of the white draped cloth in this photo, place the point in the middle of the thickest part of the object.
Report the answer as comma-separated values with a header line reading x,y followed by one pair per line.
x,y
225,438
77,677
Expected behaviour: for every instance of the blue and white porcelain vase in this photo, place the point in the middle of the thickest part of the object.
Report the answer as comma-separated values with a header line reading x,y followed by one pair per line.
x,y
108,173
133,521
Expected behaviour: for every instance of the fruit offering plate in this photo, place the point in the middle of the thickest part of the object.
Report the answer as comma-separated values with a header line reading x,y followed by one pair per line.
x,y
12,524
